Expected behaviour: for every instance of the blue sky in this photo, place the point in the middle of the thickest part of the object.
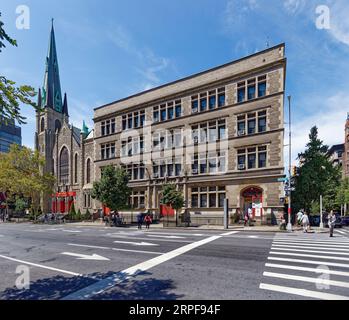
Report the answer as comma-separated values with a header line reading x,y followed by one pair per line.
x,y
110,49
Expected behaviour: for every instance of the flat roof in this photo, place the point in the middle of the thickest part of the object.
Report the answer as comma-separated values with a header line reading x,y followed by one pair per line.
x,y
191,76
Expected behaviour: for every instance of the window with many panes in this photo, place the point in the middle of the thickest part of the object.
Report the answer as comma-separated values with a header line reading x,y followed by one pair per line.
x,y
137,200
167,168
133,120
210,131
208,163
107,127
252,88
208,197
108,150
136,171
132,146
251,123
252,158
209,100
167,111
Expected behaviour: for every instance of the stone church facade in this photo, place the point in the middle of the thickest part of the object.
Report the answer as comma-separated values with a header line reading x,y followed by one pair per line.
x,y
217,134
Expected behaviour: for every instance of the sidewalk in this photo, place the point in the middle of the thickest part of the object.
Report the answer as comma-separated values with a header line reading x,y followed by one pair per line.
x,y
207,227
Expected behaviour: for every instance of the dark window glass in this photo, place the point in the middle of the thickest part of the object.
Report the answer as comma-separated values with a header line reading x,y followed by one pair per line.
x,y
262,124
203,200
194,167
64,166
88,171
222,132
170,170
113,127
212,102
241,95
221,197
203,167
212,200
194,106
136,121
178,169
135,174
241,126
194,200
129,123
156,116
123,124
163,114
251,92
252,161
241,159
162,170
251,126
103,130
170,113
178,111
262,89
142,119
262,160
221,100
203,104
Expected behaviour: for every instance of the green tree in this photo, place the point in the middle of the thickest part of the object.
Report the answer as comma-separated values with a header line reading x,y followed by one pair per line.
x,y
112,190
317,176
172,197
21,173
11,96
20,205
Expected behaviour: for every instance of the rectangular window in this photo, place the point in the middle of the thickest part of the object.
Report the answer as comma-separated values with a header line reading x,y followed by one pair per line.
x,y
163,114
178,168
170,113
194,104
221,100
251,123
170,170
203,200
203,104
222,130
124,126
203,133
212,102
251,159
251,92
142,120
213,131
113,126
136,120
103,128
194,200
262,86
262,121
221,197
156,116
178,111
129,122
212,200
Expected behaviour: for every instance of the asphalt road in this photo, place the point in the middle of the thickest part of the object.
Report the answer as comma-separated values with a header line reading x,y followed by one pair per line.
x,y
75,262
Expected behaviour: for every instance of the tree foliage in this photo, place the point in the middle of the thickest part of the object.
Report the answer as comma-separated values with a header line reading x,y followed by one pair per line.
x,y
171,196
11,96
21,174
112,190
317,176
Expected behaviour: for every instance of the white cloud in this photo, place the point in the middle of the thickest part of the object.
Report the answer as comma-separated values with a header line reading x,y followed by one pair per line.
x,y
339,14
294,6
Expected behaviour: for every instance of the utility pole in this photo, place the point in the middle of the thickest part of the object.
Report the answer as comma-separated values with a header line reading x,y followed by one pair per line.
x,y
289,224
321,222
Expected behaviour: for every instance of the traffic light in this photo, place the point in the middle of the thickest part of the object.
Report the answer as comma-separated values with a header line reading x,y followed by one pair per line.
x,y
295,171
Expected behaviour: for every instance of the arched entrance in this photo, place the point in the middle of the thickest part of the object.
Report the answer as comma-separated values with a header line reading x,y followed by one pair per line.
x,y
252,197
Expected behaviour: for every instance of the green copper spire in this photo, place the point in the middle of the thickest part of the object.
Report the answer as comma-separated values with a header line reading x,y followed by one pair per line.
x,y
51,91
85,128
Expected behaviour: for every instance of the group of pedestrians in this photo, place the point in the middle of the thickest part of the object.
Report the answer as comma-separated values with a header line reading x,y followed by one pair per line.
x,y
3,216
303,220
144,219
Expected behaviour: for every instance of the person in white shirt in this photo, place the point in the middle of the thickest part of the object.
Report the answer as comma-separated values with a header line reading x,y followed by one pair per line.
x,y
299,217
305,222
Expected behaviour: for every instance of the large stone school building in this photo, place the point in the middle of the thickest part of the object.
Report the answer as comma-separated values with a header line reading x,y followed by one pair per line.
x,y
216,134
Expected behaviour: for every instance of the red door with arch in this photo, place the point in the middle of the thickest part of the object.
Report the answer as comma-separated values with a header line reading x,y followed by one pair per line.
x,y
252,197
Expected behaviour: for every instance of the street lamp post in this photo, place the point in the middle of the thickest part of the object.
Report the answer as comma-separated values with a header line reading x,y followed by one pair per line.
x,y
321,222
289,224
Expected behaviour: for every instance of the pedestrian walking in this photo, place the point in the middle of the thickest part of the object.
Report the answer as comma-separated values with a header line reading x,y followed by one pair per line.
x,y
246,218
299,217
140,220
305,222
148,221
331,222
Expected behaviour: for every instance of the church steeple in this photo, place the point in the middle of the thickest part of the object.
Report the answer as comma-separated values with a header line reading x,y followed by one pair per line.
x,y
51,91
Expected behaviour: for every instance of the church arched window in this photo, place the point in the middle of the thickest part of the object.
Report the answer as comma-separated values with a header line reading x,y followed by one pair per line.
x,y
42,125
64,166
88,171
76,168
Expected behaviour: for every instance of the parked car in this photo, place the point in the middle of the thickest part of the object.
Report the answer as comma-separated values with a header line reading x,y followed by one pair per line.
x,y
314,220
345,221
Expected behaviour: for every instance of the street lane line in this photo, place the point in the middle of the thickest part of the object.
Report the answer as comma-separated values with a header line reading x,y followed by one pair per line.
x,y
312,245
150,239
114,249
316,280
318,247
315,270
316,262
302,292
136,243
176,234
310,251
81,256
73,231
110,282
228,233
339,241
308,255
167,237
41,266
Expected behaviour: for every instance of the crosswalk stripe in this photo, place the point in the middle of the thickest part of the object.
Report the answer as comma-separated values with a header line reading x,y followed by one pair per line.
x,y
311,251
307,279
305,245
340,231
316,262
302,292
293,248
315,241
315,270
308,255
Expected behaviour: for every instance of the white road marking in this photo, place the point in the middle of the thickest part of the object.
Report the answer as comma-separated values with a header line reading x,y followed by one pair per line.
x,y
308,255
316,262
228,233
302,292
317,280
114,249
315,247
310,251
137,243
108,283
41,266
312,244
73,231
341,232
148,239
167,237
314,241
80,256
315,270
253,237
176,234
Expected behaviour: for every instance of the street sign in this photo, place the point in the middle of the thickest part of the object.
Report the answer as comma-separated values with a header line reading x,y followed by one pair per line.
x,y
282,179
